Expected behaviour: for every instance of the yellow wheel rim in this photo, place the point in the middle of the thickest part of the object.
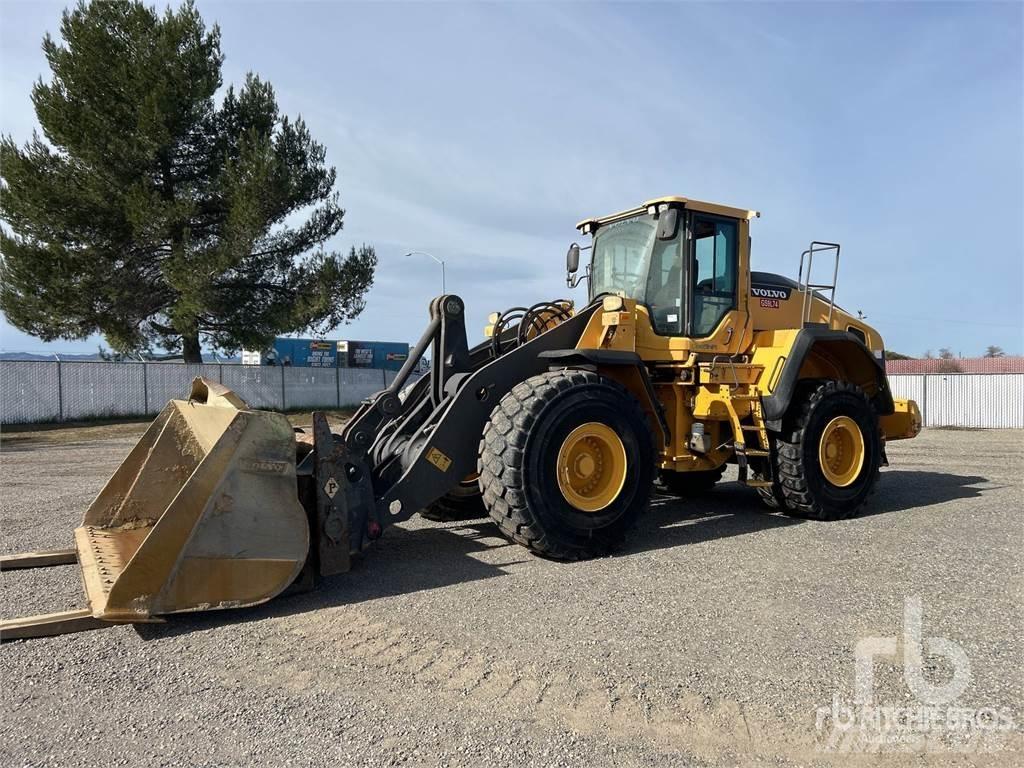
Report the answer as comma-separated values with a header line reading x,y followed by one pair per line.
x,y
841,451
591,467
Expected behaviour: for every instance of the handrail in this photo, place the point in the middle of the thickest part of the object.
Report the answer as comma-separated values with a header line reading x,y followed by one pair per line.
x,y
809,288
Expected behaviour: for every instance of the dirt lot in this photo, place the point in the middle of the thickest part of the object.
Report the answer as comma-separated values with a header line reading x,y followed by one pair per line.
x,y
713,638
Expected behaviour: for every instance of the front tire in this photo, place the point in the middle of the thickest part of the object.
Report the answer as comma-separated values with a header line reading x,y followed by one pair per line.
x,y
827,462
773,497
567,464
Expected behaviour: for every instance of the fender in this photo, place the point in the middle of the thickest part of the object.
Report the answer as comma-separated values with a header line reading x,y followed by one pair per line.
x,y
775,405
595,359
443,450
590,359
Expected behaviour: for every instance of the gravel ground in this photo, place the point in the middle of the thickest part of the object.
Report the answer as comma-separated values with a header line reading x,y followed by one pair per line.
x,y
713,638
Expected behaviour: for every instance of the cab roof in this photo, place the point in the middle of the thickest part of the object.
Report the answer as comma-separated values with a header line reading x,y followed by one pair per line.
x,y
685,202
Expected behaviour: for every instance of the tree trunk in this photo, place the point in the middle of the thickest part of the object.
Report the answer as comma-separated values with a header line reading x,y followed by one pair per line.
x,y
190,350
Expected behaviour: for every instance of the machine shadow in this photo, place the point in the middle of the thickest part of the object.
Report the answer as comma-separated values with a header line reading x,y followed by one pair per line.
x,y
731,509
904,490
413,560
404,561
727,510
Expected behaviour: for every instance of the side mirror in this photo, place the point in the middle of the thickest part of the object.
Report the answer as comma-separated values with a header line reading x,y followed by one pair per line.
x,y
668,224
572,259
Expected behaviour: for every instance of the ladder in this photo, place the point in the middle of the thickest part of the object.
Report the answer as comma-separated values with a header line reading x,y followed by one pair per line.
x,y
758,429
809,288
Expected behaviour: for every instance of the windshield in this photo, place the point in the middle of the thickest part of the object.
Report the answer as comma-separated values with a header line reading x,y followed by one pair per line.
x,y
621,254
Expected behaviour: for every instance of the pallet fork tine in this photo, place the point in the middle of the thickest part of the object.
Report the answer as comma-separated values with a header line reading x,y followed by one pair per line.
x,y
50,624
45,624
38,559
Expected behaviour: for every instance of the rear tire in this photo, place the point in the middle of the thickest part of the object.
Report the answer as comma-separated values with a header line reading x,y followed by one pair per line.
x,y
524,449
689,483
839,491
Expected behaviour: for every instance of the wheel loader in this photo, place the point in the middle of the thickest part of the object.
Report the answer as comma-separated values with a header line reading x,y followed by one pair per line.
x,y
559,425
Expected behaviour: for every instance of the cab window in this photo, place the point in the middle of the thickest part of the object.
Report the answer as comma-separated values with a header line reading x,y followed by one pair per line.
x,y
620,260
713,272
664,295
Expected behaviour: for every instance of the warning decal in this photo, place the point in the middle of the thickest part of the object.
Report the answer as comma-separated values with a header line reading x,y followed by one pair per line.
x,y
439,459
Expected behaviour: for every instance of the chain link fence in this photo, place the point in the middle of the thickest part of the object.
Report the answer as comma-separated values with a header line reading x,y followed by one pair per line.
x,y
52,391
45,391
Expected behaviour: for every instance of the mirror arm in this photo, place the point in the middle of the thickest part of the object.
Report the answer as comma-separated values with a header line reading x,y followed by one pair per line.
x,y
572,279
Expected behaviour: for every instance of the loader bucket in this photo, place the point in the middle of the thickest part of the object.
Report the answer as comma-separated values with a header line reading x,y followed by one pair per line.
x,y
202,514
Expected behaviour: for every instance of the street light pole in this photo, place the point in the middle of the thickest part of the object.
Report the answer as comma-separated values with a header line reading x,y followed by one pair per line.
x,y
439,261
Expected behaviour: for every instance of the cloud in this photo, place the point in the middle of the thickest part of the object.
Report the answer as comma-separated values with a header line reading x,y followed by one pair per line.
x,y
481,133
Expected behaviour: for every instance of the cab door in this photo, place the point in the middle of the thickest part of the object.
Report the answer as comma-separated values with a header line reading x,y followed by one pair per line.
x,y
716,318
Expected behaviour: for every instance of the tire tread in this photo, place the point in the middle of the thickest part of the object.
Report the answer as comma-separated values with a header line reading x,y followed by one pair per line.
x,y
790,469
501,470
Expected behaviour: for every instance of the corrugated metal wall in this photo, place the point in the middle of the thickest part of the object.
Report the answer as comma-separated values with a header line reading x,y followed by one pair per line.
x,y
37,392
983,400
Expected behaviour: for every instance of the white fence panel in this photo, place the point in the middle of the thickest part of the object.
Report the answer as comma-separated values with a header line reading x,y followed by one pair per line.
x,y
993,400
310,387
29,391
102,390
41,391
907,386
358,384
173,381
259,385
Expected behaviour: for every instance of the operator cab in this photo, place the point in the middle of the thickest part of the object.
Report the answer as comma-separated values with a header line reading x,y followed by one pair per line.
x,y
680,258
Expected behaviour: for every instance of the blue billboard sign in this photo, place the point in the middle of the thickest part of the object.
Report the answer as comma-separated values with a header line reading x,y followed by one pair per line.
x,y
386,355
323,353
306,353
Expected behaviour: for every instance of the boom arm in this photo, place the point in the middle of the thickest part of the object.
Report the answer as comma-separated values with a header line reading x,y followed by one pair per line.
x,y
401,453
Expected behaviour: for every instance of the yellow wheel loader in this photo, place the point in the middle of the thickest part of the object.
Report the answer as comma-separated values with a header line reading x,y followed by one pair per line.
x,y
559,426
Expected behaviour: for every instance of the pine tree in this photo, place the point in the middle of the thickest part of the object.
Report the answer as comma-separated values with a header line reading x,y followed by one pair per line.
x,y
151,213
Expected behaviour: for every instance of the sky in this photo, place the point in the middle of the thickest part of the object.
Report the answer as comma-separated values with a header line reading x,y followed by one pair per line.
x,y
481,133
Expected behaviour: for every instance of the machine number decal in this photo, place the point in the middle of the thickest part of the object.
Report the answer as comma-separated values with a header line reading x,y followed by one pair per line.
x,y
770,303
439,459
331,487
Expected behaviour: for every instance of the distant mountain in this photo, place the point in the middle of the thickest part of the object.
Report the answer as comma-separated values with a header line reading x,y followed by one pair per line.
x,y
51,358
95,358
